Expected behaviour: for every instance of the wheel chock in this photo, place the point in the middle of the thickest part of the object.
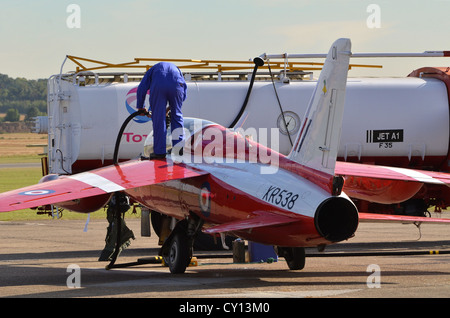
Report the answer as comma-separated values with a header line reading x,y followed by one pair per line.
x,y
194,262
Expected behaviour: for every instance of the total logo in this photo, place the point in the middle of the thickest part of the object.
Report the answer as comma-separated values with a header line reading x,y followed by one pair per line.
x,y
130,103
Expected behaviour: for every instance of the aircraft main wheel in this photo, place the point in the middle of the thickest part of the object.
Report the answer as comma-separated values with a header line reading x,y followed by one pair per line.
x,y
179,254
295,257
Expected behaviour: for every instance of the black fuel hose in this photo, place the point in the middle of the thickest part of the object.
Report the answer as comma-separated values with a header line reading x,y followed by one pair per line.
x,y
141,112
258,62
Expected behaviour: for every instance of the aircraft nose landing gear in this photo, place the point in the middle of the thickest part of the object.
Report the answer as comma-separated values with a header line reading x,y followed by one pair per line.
x,y
179,254
177,248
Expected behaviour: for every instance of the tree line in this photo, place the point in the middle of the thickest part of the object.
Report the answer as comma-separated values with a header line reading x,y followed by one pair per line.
x,y
21,96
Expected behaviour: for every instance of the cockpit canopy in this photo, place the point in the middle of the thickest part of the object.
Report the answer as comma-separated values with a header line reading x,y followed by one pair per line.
x,y
191,126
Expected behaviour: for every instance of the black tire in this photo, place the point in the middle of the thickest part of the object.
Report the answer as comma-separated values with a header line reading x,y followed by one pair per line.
x,y
179,254
295,257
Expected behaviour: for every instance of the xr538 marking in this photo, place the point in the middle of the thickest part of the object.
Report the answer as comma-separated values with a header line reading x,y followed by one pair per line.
x,y
284,198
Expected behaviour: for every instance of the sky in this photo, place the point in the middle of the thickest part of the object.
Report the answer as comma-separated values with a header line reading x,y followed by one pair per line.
x,y
36,35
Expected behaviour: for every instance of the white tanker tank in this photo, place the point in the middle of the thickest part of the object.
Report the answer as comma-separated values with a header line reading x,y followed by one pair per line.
x,y
395,121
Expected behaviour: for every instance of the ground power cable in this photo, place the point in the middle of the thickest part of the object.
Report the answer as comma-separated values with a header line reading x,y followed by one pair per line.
x,y
279,104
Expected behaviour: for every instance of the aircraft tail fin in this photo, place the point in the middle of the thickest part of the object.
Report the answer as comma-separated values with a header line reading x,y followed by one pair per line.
x,y
318,140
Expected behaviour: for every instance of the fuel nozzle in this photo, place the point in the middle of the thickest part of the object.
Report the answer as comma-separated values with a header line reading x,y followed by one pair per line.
x,y
144,112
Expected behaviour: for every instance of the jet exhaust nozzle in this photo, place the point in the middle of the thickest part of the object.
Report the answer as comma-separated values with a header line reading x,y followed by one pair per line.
x,y
336,219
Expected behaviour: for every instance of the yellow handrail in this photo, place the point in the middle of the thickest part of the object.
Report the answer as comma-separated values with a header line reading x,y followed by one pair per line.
x,y
195,64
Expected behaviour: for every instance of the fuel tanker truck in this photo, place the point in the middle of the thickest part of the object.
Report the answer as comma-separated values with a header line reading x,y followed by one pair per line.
x,y
402,122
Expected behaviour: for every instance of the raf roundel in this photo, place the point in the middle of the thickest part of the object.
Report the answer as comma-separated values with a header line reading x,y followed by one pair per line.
x,y
37,192
205,199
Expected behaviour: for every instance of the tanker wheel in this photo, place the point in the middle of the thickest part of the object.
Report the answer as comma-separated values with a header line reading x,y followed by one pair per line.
x,y
179,254
295,257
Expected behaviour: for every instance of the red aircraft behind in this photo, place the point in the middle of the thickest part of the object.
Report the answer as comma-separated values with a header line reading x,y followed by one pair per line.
x,y
224,182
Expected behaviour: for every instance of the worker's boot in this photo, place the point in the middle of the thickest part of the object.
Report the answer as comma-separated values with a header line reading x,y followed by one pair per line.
x,y
157,156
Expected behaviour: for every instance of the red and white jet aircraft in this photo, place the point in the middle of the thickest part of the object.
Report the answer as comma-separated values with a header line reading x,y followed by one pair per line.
x,y
225,183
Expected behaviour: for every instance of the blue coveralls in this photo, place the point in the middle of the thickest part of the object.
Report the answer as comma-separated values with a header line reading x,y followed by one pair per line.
x,y
167,85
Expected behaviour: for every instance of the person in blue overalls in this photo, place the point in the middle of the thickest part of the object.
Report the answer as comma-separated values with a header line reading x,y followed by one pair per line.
x,y
167,85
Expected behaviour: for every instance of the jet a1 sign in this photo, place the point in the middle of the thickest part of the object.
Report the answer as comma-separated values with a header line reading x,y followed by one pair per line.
x,y
384,138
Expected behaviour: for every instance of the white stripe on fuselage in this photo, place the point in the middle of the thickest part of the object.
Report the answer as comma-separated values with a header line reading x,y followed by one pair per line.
x,y
282,189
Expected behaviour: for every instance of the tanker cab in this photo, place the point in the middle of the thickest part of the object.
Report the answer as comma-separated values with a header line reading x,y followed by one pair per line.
x,y
191,127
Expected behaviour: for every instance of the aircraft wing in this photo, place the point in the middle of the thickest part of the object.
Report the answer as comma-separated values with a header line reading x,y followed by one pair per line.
x,y
392,173
109,179
347,169
392,218
258,219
